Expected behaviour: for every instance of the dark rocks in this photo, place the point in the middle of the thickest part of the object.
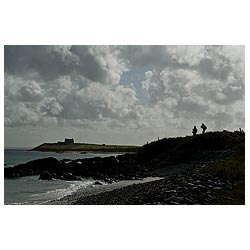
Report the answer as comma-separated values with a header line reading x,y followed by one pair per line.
x,y
46,176
108,169
61,176
190,187
97,183
32,167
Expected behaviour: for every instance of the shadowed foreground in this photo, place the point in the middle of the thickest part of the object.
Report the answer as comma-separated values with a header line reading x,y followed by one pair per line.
x,y
204,169
201,184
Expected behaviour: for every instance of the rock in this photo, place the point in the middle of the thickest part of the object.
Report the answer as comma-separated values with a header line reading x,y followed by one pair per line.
x,y
69,177
174,203
35,167
46,176
97,183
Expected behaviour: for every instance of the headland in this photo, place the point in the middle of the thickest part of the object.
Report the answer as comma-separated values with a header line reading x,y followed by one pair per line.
x,y
70,146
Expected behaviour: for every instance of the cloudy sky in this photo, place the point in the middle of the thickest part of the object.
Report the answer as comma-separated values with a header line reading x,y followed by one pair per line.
x,y
120,94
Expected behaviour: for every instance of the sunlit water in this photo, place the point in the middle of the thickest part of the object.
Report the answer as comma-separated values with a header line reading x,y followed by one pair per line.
x,y
31,190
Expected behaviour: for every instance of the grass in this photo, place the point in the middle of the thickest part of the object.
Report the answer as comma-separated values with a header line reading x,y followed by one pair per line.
x,y
85,147
219,140
233,170
213,141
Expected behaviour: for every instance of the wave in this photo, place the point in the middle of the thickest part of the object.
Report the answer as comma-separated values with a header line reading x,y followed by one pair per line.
x,y
59,193
8,165
17,203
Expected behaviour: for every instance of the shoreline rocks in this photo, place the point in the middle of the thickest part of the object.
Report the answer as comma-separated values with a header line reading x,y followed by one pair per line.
x,y
190,187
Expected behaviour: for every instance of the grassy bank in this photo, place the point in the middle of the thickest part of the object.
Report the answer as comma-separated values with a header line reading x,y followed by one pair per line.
x,y
232,170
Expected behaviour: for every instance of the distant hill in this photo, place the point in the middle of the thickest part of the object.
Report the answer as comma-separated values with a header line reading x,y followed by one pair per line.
x,y
84,147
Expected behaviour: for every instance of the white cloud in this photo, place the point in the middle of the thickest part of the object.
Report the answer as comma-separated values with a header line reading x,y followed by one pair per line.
x,y
190,55
21,115
100,63
30,91
80,86
200,91
52,106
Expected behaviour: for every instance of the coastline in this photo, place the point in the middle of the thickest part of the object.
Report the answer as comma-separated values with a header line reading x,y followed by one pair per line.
x,y
188,187
84,152
128,192
84,147
205,169
98,190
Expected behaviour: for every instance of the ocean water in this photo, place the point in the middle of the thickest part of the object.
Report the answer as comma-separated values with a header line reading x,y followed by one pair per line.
x,y
31,190
14,156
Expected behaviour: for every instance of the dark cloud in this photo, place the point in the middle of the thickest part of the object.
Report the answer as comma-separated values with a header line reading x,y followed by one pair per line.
x,y
48,61
51,62
88,64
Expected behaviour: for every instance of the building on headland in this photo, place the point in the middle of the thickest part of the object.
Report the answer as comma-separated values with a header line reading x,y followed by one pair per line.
x,y
68,141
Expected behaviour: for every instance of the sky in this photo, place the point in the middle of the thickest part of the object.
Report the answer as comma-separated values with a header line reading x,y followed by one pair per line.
x,y
120,94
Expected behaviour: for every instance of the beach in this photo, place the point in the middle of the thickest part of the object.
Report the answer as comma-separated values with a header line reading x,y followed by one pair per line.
x,y
187,185
98,189
31,190
205,169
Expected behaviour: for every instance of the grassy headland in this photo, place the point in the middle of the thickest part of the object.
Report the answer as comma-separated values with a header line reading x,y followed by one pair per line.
x,y
84,147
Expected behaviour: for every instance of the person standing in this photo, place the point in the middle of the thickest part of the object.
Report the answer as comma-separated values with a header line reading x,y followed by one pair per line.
x,y
204,127
194,131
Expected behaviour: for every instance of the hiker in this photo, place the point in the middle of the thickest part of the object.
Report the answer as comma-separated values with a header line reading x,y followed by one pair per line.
x,y
242,131
194,131
204,127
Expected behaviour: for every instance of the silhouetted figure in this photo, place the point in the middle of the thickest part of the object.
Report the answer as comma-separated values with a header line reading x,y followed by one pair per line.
x,y
194,131
242,131
204,127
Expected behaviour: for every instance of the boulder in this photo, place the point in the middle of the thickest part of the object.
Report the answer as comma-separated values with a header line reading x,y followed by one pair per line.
x,y
97,183
46,176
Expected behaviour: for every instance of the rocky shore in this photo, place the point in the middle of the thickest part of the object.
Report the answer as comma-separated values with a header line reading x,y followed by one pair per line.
x,y
97,189
181,163
107,169
187,188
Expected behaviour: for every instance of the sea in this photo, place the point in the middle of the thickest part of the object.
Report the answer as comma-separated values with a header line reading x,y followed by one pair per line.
x,y
30,190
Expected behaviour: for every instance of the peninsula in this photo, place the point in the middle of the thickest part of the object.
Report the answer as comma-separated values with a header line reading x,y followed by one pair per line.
x,y
70,145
